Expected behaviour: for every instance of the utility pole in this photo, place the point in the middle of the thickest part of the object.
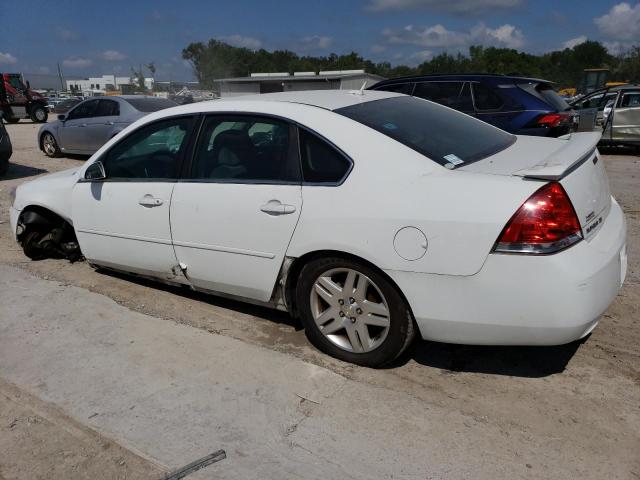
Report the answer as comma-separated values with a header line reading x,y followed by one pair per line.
x,y
62,85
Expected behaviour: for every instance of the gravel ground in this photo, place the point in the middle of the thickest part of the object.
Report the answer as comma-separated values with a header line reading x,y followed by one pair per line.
x,y
559,412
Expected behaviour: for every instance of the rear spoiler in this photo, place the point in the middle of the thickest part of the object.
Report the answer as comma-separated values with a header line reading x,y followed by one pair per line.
x,y
578,149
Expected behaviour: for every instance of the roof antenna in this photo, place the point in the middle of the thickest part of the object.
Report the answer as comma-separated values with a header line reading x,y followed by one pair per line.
x,y
361,91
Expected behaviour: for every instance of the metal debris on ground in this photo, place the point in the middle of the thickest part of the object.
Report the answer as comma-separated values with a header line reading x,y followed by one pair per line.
x,y
197,465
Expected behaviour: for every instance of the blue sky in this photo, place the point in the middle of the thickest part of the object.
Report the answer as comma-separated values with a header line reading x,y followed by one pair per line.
x,y
92,38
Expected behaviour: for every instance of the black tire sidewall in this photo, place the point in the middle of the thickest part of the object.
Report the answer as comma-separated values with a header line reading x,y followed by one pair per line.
x,y
33,114
401,320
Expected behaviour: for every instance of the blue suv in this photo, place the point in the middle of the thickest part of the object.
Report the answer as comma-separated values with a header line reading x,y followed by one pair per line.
x,y
524,106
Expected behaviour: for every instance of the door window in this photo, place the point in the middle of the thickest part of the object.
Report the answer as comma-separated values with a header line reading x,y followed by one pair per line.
x,y
321,163
152,152
84,110
631,99
245,149
455,95
107,108
485,98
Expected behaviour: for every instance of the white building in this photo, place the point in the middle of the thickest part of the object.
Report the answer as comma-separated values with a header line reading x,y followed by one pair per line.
x,y
99,85
284,82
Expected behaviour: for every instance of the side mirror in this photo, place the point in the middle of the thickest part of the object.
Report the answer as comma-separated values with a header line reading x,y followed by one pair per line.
x,y
62,118
95,172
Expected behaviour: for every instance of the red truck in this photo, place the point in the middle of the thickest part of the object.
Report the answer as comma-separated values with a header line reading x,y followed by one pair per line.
x,y
17,100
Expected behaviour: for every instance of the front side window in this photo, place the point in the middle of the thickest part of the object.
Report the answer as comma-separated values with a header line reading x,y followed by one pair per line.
x,y
485,98
321,163
243,149
446,136
84,110
455,95
631,99
152,152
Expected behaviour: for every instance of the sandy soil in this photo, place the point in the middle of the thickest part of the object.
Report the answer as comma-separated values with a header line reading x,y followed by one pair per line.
x,y
577,404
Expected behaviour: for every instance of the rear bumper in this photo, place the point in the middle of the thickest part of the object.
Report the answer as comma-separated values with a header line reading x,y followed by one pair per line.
x,y
520,299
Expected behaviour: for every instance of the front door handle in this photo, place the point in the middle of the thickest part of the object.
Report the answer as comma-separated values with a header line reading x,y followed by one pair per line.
x,y
150,201
82,125
276,207
108,123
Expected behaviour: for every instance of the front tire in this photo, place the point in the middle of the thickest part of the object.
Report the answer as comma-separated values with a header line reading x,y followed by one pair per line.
x,y
353,312
30,245
49,145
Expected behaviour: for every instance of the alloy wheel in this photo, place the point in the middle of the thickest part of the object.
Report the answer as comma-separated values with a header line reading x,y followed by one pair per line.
x,y
350,310
49,144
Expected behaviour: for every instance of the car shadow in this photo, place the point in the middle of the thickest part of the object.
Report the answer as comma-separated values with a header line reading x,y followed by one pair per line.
x,y
16,170
514,361
265,313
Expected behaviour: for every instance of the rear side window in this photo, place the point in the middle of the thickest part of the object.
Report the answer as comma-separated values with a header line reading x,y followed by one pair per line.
x,y
447,137
485,98
107,108
450,94
150,104
547,94
405,88
321,162
631,99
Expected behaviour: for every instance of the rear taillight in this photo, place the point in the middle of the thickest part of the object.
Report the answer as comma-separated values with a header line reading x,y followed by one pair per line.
x,y
545,223
550,120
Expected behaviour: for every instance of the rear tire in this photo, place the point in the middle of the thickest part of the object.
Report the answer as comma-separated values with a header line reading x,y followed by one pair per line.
x,y
353,312
39,114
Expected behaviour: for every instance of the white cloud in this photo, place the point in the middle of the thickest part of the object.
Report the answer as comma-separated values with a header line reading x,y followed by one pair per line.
x,y
7,58
617,48
378,48
113,55
66,34
76,62
572,42
437,36
44,70
422,56
316,42
621,23
242,41
461,7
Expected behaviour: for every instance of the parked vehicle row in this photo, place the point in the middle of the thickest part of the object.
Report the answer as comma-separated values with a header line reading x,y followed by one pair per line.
x,y
370,215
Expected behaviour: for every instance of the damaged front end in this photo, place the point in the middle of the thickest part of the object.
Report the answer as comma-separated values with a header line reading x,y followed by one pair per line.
x,y
43,234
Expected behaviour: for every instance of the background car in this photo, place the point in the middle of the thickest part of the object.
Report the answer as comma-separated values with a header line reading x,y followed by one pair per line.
x,y
618,113
92,122
371,216
5,147
524,106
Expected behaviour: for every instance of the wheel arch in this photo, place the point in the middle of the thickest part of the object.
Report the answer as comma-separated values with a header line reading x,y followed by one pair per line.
x,y
41,138
37,216
298,263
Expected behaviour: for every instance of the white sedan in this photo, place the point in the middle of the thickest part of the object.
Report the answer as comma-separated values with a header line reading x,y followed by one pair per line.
x,y
372,216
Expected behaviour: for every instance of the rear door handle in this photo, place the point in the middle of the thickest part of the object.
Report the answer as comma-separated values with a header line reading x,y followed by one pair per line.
x,y
108,123
82,125
150,201
276,207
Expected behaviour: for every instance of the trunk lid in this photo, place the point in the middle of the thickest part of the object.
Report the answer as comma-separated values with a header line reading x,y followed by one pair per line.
x,y
573,161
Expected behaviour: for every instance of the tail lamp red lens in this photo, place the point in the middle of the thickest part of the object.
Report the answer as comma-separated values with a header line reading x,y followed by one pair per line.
x,y
545,223
552,119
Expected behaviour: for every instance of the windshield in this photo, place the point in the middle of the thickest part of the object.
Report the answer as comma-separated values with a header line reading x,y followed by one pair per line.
x,y
150,104
444,135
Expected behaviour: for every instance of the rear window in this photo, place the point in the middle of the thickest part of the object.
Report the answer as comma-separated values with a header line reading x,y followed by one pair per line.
x,y
150,104
446,136
547,94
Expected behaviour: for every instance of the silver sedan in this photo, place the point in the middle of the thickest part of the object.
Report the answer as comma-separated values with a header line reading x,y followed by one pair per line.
x,y
91,123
